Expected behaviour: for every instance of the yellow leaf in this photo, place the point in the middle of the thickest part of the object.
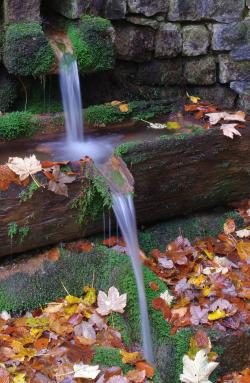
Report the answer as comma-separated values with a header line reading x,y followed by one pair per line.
x,y
194,99
130,357
243,249
209,254
115,103
71,310
123,108
90,297
36,332
19,378
206,291
71,300
37,322
173,125
218,314
197,281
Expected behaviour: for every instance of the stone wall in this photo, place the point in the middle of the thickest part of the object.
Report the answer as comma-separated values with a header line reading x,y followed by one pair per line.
x,y
201,46
163,47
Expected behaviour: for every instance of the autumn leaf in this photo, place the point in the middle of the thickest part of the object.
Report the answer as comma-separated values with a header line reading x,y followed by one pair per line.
x,y
229,130
123,108
243,249
194,99
144,366
173,125
4,375
7,176
86,371
245,233
130,357
167,297
136,376
215,118
24,167
58,184
229,226
90,296
198,315
115,103
19,378
197,370
155,125
217,314
113,302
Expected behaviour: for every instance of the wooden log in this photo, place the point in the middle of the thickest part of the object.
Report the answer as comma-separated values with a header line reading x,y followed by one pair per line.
x,y
174,175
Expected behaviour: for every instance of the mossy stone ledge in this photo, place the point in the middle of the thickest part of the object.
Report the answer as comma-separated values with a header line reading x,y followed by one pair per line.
x,y
27,51
93,44
8,91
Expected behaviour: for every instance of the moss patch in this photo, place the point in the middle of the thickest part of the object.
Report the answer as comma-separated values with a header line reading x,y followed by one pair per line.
x,y
26,50
17,124
92,43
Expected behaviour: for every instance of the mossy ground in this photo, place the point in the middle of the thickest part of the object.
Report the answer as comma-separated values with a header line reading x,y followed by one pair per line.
x,y
92,44
26,50
17,124
104,268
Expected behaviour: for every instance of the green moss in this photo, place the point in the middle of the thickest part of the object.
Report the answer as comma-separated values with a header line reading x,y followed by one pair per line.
x,y
8,92
92,44
104,115
17,124
27,194
109,357
27,52
95,197
12,230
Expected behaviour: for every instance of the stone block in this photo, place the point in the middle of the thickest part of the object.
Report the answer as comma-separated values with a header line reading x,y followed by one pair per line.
x,y
224,11
241,53
115,9
168,41
72,9
21,10
240,87
233,70
148,7
144,21
160,72
217,94
196,40
228,36
93,44
27,51
134,43
200,71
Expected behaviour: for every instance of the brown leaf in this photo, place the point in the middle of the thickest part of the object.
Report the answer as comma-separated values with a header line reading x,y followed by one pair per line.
x,y
143,366
7,177
154,286
160,305
229,226
136,376
130,357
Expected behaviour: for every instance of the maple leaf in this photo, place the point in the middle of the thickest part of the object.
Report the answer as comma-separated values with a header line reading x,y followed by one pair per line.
x,y
86,371
58,183
197,370
229,130
123,108
215,118
168,298
166,263
198,315
245,233
113,302
24,167
85,330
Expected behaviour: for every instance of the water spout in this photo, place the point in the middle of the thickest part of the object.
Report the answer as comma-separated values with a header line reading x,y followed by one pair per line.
x,y
71,96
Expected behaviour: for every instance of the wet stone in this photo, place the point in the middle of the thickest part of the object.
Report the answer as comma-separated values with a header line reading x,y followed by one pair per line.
x,y
160,72
72,9
168,40
21,10
137,20
241,53
134,43
240,87
200,71
148,7
196,40
228,36
216,94
115,9
233,70
224,11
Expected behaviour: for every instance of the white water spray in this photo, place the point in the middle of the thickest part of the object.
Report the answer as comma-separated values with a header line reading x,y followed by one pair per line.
x,y
123,207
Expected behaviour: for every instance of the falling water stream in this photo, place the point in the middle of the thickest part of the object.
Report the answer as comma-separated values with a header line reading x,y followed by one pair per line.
x,y
123,204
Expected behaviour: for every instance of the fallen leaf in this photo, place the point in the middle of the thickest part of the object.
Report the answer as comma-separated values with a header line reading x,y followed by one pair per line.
x,y
58,184
90,295
218,314
198,315
113,302
155,125
4,375
154,286
123,108
229,130
245,233
24,167
167,297
130,357
86,371
173,125
197,370
229,226
136,376
243,249
144,366
194,99
7,177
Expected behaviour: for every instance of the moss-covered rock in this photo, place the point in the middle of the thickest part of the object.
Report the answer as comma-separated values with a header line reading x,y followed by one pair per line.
x,y
8,91
92,40
27,51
